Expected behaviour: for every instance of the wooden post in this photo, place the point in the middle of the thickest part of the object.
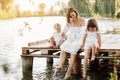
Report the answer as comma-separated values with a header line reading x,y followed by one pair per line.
x,y
27,65
77,65
50,60
105,54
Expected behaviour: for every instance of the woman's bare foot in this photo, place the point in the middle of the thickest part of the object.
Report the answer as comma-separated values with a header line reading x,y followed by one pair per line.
x,y
57,70
68,74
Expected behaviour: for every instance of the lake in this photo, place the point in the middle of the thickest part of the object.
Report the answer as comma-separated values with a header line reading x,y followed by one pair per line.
x,y
16,33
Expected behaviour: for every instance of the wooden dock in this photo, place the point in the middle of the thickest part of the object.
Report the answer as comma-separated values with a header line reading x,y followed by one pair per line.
x,y
110,44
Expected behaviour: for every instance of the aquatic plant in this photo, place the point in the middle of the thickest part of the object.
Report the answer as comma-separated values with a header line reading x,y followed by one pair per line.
x,y
5,68
113,75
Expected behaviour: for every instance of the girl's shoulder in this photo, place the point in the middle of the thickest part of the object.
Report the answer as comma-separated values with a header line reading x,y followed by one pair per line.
x,y
98,32
86,31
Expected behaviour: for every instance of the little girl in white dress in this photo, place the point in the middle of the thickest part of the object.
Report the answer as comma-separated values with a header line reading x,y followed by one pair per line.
x,y
91,41
57,38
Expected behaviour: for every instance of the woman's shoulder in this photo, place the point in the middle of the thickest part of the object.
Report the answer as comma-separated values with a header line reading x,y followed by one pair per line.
x,y
82,21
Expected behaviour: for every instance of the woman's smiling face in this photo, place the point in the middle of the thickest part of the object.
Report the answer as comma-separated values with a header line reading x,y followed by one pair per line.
x,y
73,15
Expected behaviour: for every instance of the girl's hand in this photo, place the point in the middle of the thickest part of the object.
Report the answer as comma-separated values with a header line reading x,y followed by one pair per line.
x,y
99,48
82,47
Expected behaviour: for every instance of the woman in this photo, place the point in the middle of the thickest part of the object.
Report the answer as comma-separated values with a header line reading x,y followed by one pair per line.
x,y
73,42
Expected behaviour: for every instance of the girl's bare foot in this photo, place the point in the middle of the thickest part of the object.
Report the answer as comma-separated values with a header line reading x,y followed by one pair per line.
x,y
84,75
92,58
57,70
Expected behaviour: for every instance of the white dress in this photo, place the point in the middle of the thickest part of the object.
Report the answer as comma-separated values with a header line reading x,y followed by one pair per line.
x,y
74,39
58,37
91,39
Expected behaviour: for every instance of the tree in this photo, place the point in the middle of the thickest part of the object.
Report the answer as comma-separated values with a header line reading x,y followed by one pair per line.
x,y
42,6
6,6
105,8
82,7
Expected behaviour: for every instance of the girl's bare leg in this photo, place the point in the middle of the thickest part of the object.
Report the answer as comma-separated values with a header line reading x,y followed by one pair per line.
x,y
52,43
96,51
62,59
72,61
93,52
87,54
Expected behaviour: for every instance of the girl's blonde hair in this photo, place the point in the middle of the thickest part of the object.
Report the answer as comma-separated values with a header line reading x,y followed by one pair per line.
x,y
56,25
92,23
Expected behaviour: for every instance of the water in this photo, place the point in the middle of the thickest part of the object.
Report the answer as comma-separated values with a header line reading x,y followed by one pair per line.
x,y
11,42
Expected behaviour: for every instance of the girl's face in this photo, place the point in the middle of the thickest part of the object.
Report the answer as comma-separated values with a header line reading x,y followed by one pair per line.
x,y
58,28
92,29
73,15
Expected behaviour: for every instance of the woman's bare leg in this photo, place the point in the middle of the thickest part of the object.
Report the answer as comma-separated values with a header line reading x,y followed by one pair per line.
x,y
62,59
72,61
87,54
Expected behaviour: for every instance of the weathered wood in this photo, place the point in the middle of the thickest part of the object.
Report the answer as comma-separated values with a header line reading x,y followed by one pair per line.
x,y
50,60
57,56
110,43
48,48
37,42
27,65
38,48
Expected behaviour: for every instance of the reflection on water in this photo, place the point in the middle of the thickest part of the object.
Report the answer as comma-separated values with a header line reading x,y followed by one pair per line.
x,y
11,43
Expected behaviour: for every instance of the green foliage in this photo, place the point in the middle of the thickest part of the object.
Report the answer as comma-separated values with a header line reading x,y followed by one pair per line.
x,y
5,15
82,6
5,68
113,75
86,8
6,8
105,8
118,15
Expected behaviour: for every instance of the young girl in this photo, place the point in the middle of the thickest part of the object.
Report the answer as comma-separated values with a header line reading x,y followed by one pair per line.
x,y
57,38
91,42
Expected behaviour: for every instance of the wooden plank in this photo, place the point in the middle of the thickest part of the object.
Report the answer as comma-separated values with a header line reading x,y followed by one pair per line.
x,y
37,42
39,48
57,56
48,48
